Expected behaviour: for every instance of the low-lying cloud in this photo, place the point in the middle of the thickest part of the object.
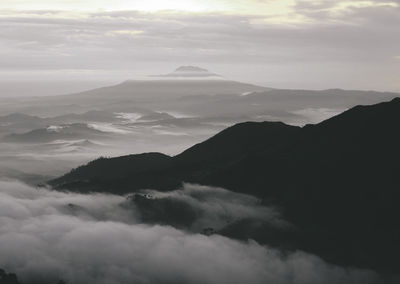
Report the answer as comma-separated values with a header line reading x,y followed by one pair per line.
x,y
47,235
212,207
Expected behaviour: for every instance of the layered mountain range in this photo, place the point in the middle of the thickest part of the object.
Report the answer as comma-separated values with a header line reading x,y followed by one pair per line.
x,y
166,114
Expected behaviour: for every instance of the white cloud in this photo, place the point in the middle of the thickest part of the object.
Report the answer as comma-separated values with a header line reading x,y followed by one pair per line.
x,y
47,235
125,32
217,207
332,46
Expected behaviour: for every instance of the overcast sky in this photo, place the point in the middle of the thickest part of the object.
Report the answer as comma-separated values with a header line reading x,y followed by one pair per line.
x,y
281,43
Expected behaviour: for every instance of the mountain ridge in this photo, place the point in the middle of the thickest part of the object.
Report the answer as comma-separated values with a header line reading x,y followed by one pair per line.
x,y
336,182
236,131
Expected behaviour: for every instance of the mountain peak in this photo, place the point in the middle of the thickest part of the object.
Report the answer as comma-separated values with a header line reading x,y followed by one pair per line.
x,y
191,72
190,69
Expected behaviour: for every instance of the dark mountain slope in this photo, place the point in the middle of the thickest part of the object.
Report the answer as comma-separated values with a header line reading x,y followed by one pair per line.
x,y
229,146
235,143
109,173
337,182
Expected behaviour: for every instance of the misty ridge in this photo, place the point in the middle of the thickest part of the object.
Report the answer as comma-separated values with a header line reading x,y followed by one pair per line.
x,y
189,177
165,113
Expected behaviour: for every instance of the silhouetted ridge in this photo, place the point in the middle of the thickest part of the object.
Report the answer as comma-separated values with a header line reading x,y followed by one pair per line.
x,y
102,170
370,115
238,140
337,181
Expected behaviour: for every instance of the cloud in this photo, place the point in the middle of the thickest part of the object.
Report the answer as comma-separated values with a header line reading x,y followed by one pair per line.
x,y
315,115
210,207
347,46
47,235
125,32
172,34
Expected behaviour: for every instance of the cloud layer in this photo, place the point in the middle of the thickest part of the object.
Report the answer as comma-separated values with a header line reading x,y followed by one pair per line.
x,y
314,44
47,235
212,207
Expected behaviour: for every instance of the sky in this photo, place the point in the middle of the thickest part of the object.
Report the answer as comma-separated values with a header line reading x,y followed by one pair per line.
x,y
312,44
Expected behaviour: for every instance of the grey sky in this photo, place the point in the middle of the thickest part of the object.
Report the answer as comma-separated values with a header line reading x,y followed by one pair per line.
x,y
303,44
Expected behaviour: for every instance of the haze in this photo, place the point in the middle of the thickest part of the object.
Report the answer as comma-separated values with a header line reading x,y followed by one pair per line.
x,y
199,141
282,44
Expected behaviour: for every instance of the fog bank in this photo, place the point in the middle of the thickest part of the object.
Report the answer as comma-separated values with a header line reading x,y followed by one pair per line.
x,y
47,235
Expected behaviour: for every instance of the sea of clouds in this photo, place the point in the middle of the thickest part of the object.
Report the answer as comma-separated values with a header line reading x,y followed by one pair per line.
x,y
47,235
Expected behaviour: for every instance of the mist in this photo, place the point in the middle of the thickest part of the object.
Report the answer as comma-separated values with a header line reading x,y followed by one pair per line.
x,y
47,235
37,88
120,119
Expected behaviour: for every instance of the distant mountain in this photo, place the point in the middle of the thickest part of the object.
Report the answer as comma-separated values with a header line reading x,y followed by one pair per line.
x,y
195,91
190,72
191,69
167,89
224,99
18,122
290,106
184,81
89,116
17,117
51,133
337,182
